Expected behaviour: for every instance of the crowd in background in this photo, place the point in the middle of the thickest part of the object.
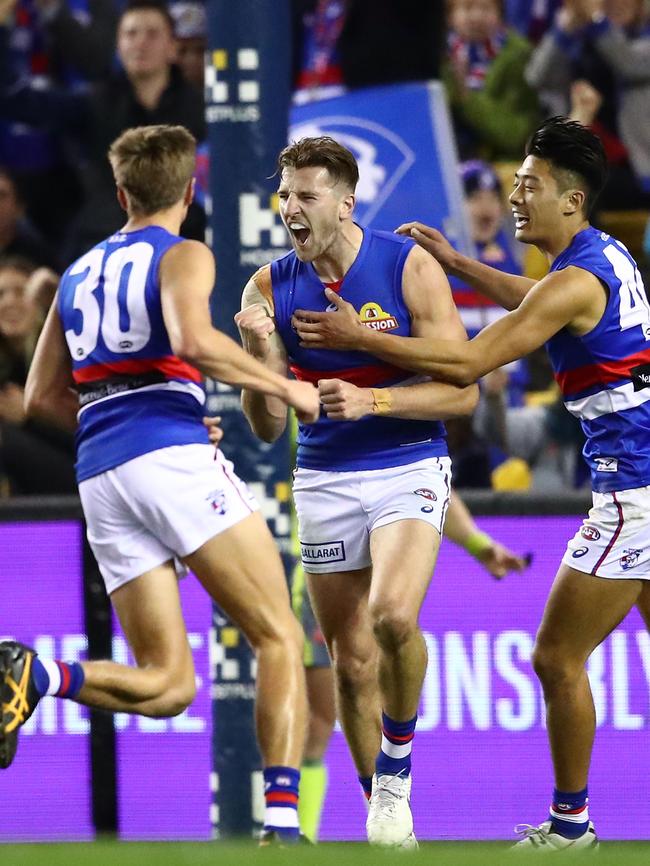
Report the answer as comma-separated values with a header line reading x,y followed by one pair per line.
x,y
75,73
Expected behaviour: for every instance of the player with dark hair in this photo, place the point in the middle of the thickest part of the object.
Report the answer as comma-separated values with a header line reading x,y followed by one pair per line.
x,y
130,331
592,312
373,479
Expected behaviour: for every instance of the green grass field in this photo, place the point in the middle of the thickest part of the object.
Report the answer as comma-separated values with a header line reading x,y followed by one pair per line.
x,y
333,854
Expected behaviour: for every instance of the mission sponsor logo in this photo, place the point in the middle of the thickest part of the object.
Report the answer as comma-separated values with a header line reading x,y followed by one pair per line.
x,y
590,533
328,551
372,316
606,464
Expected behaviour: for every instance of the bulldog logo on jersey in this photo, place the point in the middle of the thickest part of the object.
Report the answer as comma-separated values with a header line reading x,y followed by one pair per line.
x,y
372,316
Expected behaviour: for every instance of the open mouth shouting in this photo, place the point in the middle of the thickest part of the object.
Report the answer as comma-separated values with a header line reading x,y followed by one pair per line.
x,y
299,232
521,220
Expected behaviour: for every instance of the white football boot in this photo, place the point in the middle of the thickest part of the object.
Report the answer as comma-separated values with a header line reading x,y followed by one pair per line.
x,y
390,822
545,839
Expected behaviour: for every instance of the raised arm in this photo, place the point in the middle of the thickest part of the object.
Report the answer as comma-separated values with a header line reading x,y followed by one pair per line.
x,y
187,275
427,296
569,297
506,290
266,415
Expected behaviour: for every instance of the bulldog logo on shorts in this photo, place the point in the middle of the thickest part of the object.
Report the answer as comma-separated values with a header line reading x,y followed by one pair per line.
x,y
217,500
630,558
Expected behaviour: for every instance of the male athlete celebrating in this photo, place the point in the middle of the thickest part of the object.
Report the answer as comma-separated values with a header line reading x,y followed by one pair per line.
x,y
130,329
593,313
371,495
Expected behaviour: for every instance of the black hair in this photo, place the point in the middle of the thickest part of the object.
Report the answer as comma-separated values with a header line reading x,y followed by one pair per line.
x,y
571,147
155,5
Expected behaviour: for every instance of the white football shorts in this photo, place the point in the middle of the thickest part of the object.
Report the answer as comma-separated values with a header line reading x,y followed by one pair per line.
x,y
160,506
614,539
337,511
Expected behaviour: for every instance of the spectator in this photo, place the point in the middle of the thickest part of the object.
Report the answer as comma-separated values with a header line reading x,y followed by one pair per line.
x,y
595,65
361,43
17,236
494,109
53,42
190,30
34,458
531,19
150,90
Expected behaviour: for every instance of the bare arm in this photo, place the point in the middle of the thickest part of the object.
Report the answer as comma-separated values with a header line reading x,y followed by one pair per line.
x,y
186,278
49,390
266,415
569,297
463,531
506,290
427,296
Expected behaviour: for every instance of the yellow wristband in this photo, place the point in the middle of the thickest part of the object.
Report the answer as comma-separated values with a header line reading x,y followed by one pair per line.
x,y
477,543
381,401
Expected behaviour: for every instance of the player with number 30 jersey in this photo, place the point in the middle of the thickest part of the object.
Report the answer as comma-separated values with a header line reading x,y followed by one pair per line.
x,y
135,394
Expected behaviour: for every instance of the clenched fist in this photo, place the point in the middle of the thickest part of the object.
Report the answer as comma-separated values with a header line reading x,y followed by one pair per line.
x,y
255,326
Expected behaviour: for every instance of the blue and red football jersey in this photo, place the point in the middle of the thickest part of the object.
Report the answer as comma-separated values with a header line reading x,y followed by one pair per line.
x,y
135,395
604,375
373,285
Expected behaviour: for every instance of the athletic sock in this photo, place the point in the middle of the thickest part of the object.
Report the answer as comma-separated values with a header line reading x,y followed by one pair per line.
x,y
569,813
366,785
63,679
281,795
394,757
313,786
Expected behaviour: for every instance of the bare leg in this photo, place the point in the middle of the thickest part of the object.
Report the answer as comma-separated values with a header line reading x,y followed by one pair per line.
x,y
322,712
580,613
403,555
162,684
242,571
340,603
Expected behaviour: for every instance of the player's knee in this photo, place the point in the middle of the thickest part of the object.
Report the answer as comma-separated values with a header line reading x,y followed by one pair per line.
x,y
392,625
553,668
352,672
284,632
177,694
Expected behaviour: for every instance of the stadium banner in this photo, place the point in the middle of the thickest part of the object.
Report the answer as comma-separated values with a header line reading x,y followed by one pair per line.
x,y
247,104
401,136
48,785
480,733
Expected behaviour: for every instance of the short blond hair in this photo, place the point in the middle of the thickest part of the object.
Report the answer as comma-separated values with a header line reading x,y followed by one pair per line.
x,y
153,165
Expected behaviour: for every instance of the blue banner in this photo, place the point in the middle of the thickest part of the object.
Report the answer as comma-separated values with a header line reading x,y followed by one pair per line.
x,y
402,139
247,103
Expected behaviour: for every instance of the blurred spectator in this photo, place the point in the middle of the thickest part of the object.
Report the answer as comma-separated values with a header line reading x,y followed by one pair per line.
x,y
494,109
360,43
17,236
34,458
493,238
53,42
190,30
532,18
595,65
150,90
